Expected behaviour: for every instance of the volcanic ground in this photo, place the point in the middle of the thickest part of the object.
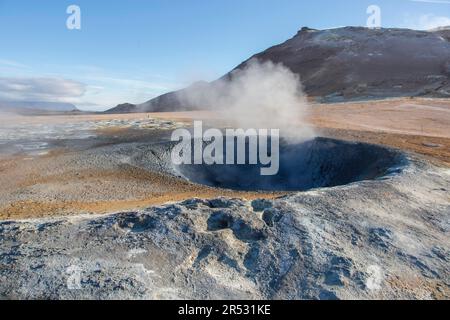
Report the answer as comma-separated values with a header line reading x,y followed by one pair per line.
x,y
94,208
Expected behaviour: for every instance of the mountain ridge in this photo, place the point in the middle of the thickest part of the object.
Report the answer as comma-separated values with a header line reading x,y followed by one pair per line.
x,y
344,64
37,107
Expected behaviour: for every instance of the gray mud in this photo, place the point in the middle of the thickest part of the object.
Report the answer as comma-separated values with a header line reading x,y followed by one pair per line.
x,y
386,237
312,164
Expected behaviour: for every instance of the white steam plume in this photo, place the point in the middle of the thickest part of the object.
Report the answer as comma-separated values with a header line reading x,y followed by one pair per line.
x,y
261,95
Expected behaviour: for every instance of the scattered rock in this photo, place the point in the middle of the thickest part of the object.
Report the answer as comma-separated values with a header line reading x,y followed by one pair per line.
x,y
431,145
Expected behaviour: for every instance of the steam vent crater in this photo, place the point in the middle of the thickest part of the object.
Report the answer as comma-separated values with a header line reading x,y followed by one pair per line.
x,y
317,163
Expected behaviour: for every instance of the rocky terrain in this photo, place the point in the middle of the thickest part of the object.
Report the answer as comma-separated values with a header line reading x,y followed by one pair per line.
x,y
386,238
351,63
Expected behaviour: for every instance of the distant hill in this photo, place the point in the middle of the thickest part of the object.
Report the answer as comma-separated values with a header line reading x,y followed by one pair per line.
x,y
350,63
37,107
166,102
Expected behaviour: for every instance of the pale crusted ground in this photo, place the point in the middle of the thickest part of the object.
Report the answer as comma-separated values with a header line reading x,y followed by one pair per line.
x,y
70,178
379,239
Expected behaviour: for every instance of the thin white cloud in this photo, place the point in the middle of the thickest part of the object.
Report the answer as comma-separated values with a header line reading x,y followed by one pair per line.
x,y
429,21
132,83
426,22
106,90
11,63
40,89
433,1
91,87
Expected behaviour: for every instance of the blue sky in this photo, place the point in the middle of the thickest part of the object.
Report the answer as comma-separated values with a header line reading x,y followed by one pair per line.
x,y
131,51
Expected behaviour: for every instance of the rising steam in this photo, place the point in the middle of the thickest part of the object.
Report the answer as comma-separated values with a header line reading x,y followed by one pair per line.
x,y
260,95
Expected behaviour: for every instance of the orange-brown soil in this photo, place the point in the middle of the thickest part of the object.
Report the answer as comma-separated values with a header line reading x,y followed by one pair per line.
x,y
416,125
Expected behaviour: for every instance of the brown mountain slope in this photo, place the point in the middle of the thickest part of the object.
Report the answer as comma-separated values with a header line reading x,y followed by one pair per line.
x,y
350,63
